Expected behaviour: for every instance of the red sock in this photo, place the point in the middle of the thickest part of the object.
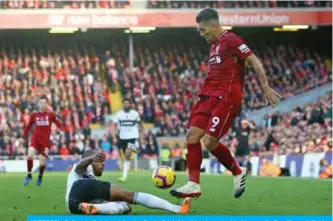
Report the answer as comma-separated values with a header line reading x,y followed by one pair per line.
x,y
41,170
194,159
223,155
30,164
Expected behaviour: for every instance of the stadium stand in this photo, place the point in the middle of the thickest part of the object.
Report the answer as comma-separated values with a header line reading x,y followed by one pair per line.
x,y
80,97
75,92
78,79
40,4
237,4
306,129
102,4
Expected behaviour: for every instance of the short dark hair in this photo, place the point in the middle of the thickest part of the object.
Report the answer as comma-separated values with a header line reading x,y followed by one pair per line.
x,y
88,153
43,97
127,99
207,14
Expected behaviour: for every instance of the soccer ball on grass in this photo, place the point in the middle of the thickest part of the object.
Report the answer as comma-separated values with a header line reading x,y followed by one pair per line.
x,y
164,177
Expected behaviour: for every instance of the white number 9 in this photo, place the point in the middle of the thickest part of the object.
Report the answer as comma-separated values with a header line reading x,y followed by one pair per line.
x,y
216,121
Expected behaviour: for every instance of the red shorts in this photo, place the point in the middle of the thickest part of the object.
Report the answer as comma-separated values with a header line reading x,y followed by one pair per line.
x,y
40,145
214,115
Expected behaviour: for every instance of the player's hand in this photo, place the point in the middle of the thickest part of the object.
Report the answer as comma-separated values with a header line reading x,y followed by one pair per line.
x,y
99,157
271,97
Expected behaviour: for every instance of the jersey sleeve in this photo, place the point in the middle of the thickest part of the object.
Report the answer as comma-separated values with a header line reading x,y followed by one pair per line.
x,y
29,125
138,118
56,120
73,176
238,47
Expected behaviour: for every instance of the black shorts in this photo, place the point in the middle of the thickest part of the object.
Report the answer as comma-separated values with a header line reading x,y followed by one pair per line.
x,y
123,144
87,190
242,150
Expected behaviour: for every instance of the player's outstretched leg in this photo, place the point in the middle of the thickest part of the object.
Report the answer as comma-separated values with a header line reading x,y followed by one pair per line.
x,y
105,208
30,164
240,183
148,200
223,155
194,160
41,170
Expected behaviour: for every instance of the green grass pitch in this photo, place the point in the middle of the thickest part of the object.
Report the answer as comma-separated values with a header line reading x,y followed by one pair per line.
x,y
263,196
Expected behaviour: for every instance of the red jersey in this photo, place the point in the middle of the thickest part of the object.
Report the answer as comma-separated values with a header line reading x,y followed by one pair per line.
x,y
43,123
226,66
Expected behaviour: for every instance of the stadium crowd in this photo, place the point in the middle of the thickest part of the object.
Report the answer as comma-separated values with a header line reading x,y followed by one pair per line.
x,y
237,4
157,4
56,4
74,88
76,84
305,129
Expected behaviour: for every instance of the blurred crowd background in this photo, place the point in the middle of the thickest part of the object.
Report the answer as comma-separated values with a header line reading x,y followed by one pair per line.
x,y
78,74
156,4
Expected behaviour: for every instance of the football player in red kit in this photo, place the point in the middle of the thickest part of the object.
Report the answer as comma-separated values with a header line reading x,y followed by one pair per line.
x,y
40,140
219,102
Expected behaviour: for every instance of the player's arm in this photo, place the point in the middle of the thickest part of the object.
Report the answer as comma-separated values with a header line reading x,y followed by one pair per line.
x,y
242,51
271,96
57,121
83,164
29,125
115,125
259,69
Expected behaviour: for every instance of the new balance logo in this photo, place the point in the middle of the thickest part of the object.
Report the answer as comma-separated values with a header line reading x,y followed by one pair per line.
x,y
215,60
243,48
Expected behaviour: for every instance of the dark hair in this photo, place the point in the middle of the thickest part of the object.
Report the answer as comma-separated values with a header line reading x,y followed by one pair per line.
x,y
88,153
43,97
127,99
207,14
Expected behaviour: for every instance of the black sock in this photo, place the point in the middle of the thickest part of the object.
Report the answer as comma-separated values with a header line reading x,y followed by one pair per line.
x,y
29,175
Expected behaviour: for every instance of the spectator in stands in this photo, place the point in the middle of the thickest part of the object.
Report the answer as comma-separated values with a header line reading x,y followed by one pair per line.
x,y
268,168
325,171
165,155
105,145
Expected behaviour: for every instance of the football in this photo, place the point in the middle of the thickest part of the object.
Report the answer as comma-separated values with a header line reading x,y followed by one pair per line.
x,y
164,177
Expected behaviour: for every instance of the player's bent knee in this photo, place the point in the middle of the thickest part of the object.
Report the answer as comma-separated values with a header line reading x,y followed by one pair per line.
x,y
31,152
194,135
210,142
